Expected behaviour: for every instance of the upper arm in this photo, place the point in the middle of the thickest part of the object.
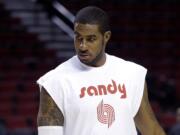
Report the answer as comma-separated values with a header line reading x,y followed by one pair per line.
x,y
145,119
49,114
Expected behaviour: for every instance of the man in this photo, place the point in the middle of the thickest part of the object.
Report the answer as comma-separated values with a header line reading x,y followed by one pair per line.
x,y
95,93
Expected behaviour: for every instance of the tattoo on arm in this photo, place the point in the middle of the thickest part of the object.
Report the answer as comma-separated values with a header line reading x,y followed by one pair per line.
x,y
49,114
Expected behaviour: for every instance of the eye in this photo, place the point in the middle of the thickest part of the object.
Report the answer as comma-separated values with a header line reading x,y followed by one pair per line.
x,y
78,38
91,39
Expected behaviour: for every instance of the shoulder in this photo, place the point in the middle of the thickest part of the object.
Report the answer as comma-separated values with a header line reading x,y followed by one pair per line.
x,y
127,65
60,71
67,66
115,59
135,66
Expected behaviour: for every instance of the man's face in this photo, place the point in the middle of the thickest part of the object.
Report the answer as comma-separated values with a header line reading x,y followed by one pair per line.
x,y
90,43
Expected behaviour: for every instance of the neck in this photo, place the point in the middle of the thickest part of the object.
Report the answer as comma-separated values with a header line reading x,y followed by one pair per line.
x,y
100,60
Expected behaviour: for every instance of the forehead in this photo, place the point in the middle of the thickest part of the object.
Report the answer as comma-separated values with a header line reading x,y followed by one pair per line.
x,y
86,29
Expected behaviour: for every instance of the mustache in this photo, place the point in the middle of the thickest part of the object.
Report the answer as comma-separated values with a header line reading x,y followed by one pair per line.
x,y
83,52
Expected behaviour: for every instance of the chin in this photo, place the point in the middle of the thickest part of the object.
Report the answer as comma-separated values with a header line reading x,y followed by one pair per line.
x,y
85,62
89,63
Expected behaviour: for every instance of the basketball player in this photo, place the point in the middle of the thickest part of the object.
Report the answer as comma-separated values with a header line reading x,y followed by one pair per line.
x,y
94,93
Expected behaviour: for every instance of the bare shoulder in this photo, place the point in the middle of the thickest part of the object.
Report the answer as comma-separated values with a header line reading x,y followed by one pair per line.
x,y
49,114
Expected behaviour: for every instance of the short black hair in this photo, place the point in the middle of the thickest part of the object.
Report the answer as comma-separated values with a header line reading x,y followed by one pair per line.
x,y
93,15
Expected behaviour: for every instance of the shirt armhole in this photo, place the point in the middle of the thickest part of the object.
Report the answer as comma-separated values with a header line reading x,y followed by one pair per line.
x,y
54,91
139,90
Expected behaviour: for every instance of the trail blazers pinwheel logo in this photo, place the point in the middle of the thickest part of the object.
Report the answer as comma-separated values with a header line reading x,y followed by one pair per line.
x,y
105,113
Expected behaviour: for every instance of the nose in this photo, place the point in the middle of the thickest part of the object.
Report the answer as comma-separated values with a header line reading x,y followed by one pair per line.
x,y
83,46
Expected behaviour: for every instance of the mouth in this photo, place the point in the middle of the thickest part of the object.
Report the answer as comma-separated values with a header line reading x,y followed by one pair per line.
x,y
83,56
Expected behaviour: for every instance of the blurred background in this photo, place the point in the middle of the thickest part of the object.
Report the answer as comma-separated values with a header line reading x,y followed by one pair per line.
x,y
37,35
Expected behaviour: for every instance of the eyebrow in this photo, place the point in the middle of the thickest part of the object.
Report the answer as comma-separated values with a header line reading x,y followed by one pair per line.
x,y
77,33
93,36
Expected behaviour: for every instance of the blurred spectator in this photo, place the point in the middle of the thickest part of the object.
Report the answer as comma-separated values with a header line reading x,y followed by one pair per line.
x,y
167,92
22,131
152,87
175,130
3,130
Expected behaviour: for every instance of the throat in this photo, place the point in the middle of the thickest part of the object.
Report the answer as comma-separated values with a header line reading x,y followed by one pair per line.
x,y
99,61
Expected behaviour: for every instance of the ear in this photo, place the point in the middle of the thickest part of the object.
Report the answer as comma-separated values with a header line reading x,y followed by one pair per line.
x,y
107,36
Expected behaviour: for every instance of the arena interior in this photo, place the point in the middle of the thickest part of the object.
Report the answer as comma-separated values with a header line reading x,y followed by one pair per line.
x,y
37,35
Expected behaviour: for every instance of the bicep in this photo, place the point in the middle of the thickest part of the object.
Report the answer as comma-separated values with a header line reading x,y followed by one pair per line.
x,y
49,114
145,119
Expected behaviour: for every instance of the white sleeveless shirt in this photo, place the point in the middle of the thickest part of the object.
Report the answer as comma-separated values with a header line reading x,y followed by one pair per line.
x,y
97,100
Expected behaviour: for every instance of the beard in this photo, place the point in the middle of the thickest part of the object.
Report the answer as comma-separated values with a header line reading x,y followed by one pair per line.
x,y
99,58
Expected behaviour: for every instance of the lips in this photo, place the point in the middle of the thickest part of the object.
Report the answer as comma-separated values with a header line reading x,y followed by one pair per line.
x,y
83,56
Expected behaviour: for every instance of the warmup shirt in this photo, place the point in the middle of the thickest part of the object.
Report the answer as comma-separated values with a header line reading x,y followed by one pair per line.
x,y
97,100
